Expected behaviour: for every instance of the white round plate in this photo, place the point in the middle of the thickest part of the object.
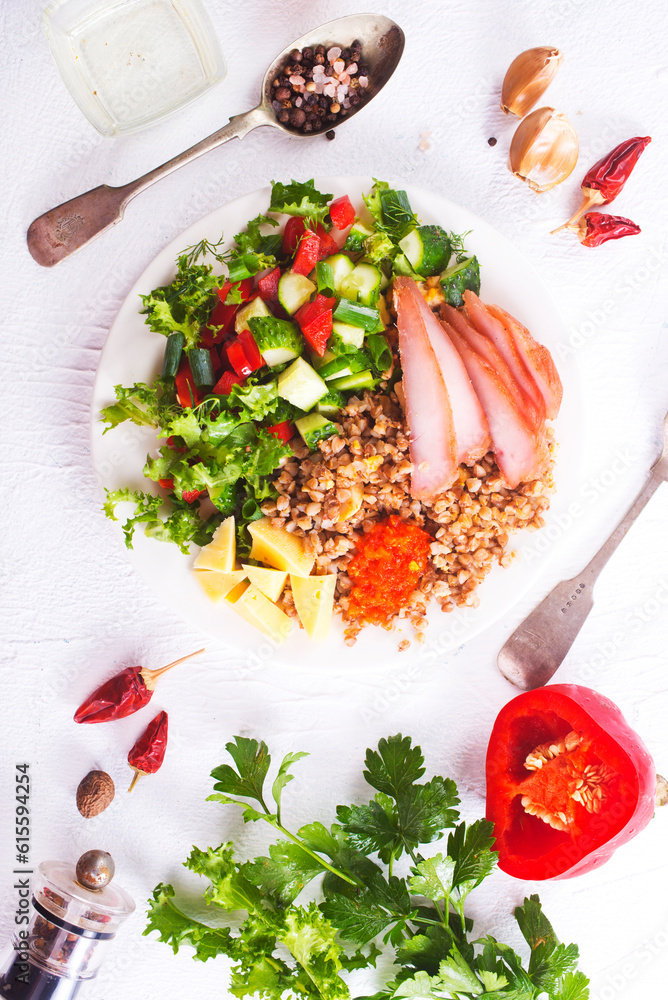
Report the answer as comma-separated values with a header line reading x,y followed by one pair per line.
x,y
133,354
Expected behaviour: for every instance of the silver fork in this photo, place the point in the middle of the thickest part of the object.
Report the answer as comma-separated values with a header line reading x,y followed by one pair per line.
x,y
539,645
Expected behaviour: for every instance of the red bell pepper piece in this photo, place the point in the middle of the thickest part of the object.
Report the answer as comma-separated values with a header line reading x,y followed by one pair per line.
x,y
315,322
223,317
245,288
328,244
284,431
292,233
250,349
167,484
237,358
187,392
191,495
341,212
308,253
568,782
267,286
223,386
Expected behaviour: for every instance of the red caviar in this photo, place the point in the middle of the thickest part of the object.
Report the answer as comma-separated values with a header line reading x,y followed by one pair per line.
x,y
385,570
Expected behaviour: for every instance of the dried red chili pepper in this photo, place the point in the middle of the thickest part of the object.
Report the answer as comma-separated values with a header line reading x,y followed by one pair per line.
x,y
148,753
123,693
597,227
603,182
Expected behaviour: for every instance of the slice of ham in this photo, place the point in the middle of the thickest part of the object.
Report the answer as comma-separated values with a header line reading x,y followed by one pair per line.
x,y
486,350
495,330
471,429
520,451
537,358
432,442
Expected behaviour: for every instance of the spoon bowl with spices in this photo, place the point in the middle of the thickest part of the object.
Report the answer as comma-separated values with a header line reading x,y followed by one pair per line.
x,y
319,81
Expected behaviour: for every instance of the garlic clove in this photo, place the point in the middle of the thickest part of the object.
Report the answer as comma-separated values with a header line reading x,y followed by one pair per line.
x,y
544,149
527,79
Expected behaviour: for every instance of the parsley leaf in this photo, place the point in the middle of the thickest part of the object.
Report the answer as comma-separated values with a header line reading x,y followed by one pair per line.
x,y
280,949
299,198
185,304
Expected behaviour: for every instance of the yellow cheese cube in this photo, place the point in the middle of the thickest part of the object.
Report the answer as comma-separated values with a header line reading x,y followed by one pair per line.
x,y
314,601
279,548
252,605
269,581
218,585
220,553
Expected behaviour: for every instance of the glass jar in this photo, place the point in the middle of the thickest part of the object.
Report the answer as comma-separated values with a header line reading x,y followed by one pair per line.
x,y
67,937
131,63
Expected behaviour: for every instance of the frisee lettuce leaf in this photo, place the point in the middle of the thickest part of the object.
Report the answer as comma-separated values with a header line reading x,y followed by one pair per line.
x,y
280,948
299,198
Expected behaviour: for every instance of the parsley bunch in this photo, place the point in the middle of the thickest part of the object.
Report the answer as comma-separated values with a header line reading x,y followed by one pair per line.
x,y
284,948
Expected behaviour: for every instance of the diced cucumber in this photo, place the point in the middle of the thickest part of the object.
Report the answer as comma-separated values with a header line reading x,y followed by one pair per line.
x,y
427,249
463,275
401,265
341,266
356,237
301,385
201,367
314,428
354,314
331,404
353,336
293,291
362,284
278,340
173,351
324,275
359,380
256,307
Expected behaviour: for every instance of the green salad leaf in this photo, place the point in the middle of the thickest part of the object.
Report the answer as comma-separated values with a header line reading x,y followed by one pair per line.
x,y
281,946
299,198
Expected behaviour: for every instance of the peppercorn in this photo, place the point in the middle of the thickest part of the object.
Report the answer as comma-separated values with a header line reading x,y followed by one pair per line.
x,y
308,127
331,134
297,117
317,125
491,141
307,55
320,50
345,55
319,59
296,56
284,116
282,94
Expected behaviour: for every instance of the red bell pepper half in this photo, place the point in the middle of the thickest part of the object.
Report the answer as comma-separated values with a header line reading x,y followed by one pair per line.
x,y
284,431
568,782
342,212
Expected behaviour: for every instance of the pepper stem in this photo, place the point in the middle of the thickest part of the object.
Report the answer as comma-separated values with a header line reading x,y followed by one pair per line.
x,y
150,677
136,776
591,197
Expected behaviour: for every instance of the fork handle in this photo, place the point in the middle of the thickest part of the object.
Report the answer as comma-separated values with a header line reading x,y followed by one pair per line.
x,y
67,228
538,646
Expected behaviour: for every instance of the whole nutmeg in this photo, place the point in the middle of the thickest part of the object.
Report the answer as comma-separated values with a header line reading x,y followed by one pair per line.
x,y
95,792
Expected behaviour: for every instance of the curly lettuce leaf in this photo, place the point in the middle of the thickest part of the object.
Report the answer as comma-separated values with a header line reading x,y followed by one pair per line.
x,y
299,198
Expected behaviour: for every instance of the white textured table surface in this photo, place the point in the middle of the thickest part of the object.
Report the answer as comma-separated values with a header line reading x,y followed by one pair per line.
x,y
73,611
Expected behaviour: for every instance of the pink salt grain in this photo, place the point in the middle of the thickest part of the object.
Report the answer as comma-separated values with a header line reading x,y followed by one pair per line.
x,y
333,54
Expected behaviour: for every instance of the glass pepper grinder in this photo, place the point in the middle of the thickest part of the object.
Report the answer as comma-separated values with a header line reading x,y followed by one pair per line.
x,y
75,914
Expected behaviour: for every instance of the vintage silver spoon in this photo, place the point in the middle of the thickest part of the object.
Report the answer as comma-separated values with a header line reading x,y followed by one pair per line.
x,y
539,645
65,229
